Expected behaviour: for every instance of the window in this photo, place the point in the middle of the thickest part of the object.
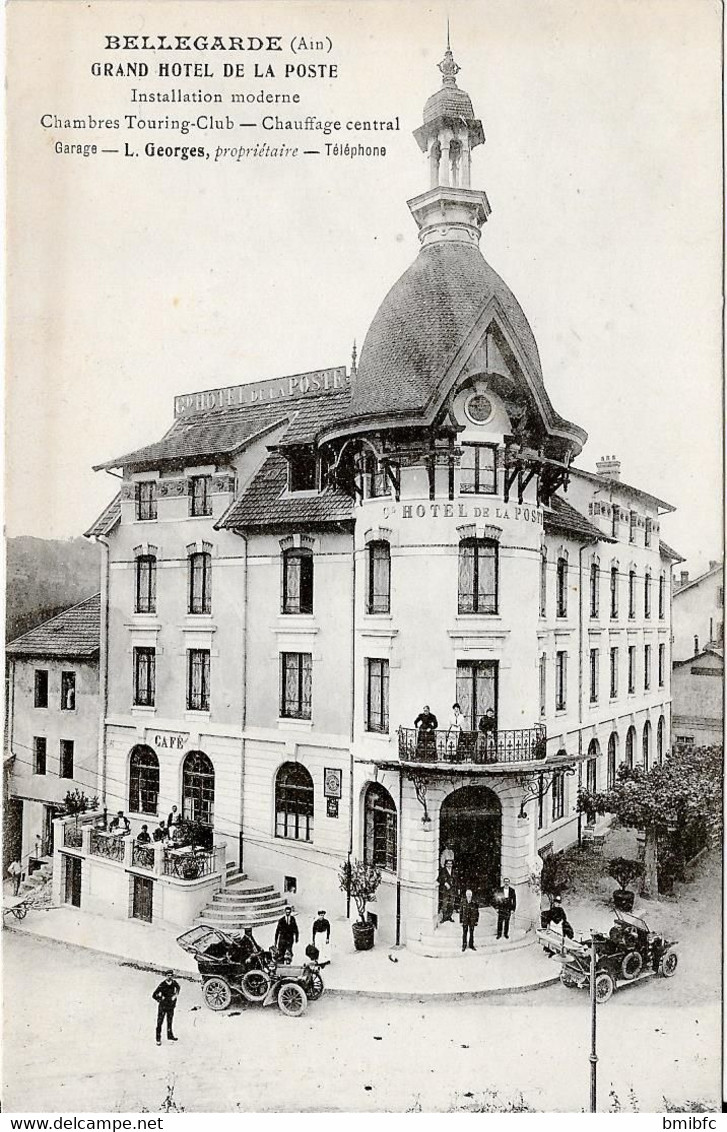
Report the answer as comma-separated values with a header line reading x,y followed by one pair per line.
x,y
198,680
145,493
379,828
632,669
561,588
379,578
478,470
377,695
68,691
200,499
595,585
611,760
144,677
542,815
542,677
647,595
296,679
561,665
66,758
594,676
297,581
294,803
41,687
632,526
543,582
662,596
143,781
200,583
632,594
613,691
476,690
662,664
198,788
615,520
630,745
478,576
646,745
647,667
660,739
40,747
302,470
592,768
376,481
145,600
614,591
558,809
647,532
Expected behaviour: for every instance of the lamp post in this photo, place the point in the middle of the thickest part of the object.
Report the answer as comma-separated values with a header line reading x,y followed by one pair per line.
x,y
593,1058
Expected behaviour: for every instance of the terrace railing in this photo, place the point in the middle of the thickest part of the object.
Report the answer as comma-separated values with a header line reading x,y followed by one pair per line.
x,y
108,846
142,856
188,865
516,746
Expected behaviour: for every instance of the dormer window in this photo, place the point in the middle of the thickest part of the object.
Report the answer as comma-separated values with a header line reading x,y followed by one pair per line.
x,y
200,501
375,478
302,470
478,470
145,492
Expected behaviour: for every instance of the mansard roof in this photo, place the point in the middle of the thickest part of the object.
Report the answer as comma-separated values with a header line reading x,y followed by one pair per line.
x,y
76,632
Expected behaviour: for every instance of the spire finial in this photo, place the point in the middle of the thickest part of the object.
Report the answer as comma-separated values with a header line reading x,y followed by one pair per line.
x,y
448,67
448,48
353,357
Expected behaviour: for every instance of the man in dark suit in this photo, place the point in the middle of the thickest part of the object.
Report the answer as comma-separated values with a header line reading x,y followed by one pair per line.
x,y
446,892
166,996
286,935
469,915
506,903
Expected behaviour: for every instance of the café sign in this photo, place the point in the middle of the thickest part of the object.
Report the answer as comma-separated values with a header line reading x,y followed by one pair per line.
x,y
168,740
263,392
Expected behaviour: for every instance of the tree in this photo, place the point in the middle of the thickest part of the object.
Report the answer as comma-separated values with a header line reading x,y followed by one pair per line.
x,y
682,794
361,880
554,876
624,871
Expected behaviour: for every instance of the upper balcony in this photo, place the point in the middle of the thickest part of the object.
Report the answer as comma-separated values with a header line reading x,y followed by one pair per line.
x,y
474,748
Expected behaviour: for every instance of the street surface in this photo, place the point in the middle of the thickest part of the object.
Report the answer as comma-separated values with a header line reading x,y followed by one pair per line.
x,y
79,1036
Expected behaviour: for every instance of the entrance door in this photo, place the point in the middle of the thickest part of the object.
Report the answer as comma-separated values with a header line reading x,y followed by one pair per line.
x,y
143,897
47,846
476,689
73,881
470,824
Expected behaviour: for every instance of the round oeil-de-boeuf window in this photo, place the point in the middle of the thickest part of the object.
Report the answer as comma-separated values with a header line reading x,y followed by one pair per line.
x,y
478,408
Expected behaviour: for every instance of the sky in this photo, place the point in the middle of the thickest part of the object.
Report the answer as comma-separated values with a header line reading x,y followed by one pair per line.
x,y
131,280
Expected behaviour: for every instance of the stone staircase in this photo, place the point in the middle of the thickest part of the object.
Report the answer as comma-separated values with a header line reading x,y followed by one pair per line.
x,y
38,878
242,904
445,942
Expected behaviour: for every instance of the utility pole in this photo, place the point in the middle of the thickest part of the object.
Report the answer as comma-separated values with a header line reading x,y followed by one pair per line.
x,y
593,1058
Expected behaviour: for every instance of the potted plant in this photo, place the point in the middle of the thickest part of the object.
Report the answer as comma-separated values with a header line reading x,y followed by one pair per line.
x,y
361,881
625,871
552,881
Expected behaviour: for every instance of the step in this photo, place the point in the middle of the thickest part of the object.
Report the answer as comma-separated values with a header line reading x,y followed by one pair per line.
x,y
244,898
209,917
229,911
235,925
448,946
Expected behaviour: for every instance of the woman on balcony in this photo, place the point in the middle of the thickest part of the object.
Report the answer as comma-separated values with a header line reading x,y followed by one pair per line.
x,y
426,725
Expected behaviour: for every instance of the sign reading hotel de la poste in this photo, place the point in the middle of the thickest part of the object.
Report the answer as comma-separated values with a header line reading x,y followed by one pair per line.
x,y
262,392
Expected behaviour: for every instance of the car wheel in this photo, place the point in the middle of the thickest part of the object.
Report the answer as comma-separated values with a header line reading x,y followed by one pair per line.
x,y
217,993
668,964
292,999
316,987
255,985
631,965
604,987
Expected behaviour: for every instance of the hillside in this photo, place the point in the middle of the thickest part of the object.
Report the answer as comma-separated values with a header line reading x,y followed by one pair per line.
x,y
45,576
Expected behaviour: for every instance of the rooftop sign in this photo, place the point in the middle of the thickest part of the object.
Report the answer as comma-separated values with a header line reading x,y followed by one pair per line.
x,y
262,392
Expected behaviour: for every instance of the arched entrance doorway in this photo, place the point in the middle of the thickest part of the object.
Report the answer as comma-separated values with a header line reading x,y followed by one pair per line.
x,y
470,824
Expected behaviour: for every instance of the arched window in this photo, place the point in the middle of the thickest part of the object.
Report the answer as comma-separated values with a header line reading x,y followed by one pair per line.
x,y
543,582
143,781
662,596
660,728
612,759
478,581
647,594
200,583
198,788
145,597
646,744
561,588
294,803
379,828
592,775
297,580
632,593
378,598
614,589
595,587
630,746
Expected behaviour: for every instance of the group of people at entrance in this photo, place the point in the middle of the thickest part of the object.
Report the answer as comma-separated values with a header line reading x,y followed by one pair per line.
x,y
461,743
452,899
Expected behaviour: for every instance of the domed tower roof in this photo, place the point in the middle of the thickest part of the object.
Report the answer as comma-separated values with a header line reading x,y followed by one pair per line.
x,y
448,102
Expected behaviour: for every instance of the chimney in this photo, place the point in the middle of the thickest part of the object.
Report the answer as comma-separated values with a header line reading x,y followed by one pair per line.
x,y
609,468
683,577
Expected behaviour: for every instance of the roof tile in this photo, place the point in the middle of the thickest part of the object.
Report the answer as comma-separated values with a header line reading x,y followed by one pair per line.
x,y
75,632
107,520
266,503
561,517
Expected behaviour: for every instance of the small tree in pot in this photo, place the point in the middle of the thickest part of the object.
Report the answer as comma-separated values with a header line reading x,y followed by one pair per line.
x,y
625,871
361,881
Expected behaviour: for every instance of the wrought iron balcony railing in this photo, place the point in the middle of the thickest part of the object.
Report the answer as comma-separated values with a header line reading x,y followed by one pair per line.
x,y
188,865
107,845
142,856
523,745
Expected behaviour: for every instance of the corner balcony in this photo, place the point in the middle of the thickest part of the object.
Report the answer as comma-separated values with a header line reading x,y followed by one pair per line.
x,y
472,748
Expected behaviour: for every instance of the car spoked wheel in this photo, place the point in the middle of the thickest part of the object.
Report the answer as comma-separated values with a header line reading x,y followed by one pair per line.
x,y
255,985
604,987
292,999
631,965
668,964
217,993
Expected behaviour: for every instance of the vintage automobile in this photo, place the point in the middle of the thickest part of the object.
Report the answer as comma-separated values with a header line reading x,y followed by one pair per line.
x,y
629,953
236,965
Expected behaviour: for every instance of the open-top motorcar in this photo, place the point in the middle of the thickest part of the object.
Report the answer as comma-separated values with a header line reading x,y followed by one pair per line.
x,y
630,952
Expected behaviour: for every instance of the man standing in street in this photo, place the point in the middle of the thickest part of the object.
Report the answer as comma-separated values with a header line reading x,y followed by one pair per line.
x,y
15,872
286,934
469,915
446,891
506,903
166,996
